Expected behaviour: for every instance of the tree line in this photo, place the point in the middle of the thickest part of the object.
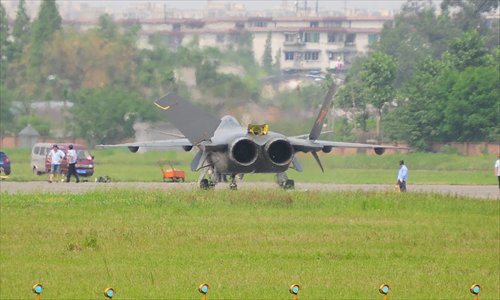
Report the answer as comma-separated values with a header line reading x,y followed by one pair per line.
x,y
430,77
104,74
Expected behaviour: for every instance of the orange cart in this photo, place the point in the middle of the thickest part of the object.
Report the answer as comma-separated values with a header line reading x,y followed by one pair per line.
x,y
172,174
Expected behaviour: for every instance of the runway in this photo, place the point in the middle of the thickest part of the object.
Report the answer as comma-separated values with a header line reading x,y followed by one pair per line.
x,y
472,191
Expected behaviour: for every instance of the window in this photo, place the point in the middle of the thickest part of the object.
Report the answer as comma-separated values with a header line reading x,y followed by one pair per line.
x,y
310,55
311,37
350,39
372,38
333,24
260,24
289,55
331,37
194,25
220,38
314,24
240,25
290,37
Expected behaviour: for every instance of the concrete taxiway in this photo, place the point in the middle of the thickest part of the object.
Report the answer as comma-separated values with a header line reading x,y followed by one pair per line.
x,y
472,191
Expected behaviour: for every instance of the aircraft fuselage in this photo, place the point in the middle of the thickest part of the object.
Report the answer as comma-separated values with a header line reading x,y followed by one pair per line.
x,y
245,152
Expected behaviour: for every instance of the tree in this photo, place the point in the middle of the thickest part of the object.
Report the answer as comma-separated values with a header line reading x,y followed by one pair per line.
x,y
277,62
206,74
107,27
6,116
471,112
352,95
75,60
4,43
418,117
21,31
467,13
267,57
45,25
415,33
107,115
467,51
353,98
377,75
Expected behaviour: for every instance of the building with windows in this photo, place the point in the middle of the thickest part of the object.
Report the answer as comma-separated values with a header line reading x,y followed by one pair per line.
x,y
303,43
304,37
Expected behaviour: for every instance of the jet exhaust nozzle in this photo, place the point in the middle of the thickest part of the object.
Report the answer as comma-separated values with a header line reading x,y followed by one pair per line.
x,y
243,151
279,151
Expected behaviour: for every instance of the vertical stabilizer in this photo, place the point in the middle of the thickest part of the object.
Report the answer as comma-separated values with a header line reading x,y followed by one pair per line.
x,y
318,124
194,123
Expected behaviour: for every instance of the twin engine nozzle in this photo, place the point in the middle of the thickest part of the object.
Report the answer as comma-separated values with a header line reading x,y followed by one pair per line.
x,y
246,152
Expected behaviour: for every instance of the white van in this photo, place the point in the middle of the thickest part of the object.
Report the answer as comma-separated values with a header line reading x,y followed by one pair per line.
x,y
40,162
39,156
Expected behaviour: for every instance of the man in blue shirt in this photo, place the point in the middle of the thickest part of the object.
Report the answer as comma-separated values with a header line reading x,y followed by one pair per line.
x,y
402,176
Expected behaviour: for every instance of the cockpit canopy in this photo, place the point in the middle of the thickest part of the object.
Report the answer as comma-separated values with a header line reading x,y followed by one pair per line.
x,y
229,121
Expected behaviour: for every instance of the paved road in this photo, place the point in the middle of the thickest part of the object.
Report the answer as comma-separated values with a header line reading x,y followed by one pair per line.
x,y
472,191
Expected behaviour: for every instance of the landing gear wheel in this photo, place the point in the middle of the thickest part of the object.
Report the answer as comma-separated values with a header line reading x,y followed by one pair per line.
x,y
289,184
204,185
232,185
284,182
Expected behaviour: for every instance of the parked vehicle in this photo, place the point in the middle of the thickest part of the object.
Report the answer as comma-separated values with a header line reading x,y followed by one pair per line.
x,y
40,161
4,164
39,154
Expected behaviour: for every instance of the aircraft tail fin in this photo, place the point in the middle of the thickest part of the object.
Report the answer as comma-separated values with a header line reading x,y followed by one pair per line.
x,y
194,123
318,124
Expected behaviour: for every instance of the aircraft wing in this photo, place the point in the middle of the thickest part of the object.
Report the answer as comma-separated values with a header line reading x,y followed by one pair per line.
x,y
355,145
173,143
304,145
317,145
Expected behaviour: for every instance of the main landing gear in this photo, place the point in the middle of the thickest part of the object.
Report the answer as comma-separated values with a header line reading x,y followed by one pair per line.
x,y
210,177
207,179
284,182
232,184
205,184
208,183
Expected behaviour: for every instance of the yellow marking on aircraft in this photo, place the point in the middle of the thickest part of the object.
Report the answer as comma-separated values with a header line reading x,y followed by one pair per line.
x,y
163,107
258,129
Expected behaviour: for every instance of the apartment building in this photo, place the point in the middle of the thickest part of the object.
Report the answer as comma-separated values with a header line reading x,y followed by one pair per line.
x,y
306,39
304,42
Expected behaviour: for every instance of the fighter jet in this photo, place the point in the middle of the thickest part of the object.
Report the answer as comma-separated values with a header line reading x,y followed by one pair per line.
x,y
227,149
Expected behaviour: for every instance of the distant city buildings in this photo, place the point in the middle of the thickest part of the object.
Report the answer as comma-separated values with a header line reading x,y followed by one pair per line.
x,y
301,42
302,37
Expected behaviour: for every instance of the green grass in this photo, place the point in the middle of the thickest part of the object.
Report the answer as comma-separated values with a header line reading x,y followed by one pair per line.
x,y
248,244
425,168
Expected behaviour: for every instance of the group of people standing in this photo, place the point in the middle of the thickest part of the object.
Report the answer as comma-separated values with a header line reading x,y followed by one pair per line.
x,y
56,156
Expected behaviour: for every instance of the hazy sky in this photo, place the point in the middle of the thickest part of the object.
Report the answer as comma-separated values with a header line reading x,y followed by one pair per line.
x,y
260,4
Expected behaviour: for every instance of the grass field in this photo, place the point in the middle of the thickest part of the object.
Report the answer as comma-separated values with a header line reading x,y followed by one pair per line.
x,y
425,168
248,245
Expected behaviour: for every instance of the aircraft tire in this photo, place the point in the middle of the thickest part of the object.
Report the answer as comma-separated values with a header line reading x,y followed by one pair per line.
x,y
289,184
204,184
